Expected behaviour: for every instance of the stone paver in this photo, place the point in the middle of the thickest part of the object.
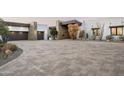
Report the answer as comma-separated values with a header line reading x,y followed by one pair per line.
x,y
67,57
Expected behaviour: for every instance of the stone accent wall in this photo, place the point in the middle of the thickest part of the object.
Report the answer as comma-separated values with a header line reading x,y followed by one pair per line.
x,y
33,31
62,30
67,31
73,29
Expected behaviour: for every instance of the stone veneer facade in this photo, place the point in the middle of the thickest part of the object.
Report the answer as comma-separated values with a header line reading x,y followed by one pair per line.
x,y
62,30
32,35
72,30
67,31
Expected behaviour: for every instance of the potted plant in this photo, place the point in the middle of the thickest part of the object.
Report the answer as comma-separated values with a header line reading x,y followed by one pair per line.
x,y
53,33
121,38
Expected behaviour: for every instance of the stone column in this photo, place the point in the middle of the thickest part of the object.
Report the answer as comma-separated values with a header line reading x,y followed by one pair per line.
x,y
59,29
62,30
33,31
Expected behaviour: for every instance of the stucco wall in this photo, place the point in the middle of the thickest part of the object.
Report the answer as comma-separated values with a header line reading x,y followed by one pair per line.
x,y
93,23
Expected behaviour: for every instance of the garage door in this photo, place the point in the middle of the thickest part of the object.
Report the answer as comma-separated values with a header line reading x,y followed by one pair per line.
x,y
40,35
16,35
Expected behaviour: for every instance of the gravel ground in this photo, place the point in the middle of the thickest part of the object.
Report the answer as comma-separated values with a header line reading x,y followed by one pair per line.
x,y
67,58
9,58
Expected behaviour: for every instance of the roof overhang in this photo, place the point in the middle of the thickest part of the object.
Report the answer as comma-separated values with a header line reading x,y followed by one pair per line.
x,y
116,26
95,28
16,24
71,22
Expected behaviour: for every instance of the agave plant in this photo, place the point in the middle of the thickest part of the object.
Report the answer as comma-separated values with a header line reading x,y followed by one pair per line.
x,y
121,38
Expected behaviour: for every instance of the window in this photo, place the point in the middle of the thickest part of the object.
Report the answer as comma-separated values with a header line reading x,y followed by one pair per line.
x,y
116,30
119,30
96,32
113,31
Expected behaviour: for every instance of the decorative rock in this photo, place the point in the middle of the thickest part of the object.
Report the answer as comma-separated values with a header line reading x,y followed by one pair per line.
x,y
9,46
1,38
8,52
72,29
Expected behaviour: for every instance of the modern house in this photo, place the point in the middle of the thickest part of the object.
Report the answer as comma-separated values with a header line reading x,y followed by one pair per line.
x,y
23,31
93,29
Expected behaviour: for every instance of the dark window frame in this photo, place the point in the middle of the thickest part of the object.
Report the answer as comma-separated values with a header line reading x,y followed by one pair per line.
x,y
97,32
116,31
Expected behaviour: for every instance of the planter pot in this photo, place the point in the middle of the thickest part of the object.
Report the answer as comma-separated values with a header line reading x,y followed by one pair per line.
x,y
108,40
50,38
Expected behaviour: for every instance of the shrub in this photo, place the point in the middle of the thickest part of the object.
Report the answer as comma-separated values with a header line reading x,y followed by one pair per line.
x,y
53,33
121,38
1,45
0,49
109,37
9,46
1,41
4,31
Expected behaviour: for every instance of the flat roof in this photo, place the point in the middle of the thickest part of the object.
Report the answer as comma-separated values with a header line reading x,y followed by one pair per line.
x,y
95,28
16,24
52,27
71,22
116,26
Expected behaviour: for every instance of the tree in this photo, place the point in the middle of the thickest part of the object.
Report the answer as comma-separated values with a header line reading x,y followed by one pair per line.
x,y
53,33
4,31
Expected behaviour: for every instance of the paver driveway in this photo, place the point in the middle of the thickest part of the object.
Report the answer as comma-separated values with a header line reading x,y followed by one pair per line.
x,y
67,57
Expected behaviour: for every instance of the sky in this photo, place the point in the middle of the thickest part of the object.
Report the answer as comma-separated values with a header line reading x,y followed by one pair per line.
x,y
51,21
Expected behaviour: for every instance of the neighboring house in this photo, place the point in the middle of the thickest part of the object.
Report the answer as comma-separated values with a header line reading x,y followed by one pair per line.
x,y
23,31
104,27
95,29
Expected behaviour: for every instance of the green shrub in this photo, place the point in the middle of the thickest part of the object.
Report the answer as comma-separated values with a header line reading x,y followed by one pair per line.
x,y
4,31
1,45
109,37
53,33
1,41
121,38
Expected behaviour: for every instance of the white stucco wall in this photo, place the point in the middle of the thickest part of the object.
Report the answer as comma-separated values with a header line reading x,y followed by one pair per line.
x,y
107,22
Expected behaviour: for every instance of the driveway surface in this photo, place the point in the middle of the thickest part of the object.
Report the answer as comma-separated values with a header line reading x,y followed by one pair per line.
x,y
66,58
